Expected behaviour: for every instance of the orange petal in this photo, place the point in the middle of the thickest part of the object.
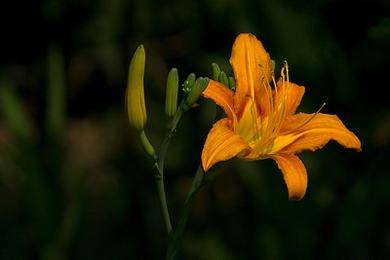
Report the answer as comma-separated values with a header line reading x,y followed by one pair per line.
x,y
221,144
291,95
222,96
294,174
252,67
311,133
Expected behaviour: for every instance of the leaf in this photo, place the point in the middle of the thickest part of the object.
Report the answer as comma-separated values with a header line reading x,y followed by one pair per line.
x,y
55,107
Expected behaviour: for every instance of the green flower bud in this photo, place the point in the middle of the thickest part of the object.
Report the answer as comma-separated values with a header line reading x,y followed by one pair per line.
x,y
135,99
232,83
198,88
171,92
224,79
189,83
216,71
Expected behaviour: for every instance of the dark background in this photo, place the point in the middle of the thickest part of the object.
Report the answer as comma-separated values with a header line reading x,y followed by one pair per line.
x,y
75,182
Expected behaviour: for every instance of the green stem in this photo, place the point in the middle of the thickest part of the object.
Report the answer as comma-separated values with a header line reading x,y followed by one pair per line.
x,y
159,166
147,145
197,183
167,140
163,202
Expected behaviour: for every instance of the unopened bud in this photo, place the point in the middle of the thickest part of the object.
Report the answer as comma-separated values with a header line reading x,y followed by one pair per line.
x,y
273,66
198,88
232,83
171,92
216,71
224,79
135,99
189,83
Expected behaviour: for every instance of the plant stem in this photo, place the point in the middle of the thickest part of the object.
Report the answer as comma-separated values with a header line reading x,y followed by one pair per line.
x,y
197,184
163,202
167,140
159,166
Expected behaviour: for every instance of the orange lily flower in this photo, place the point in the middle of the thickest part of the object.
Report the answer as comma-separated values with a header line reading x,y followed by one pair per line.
x,y
260,119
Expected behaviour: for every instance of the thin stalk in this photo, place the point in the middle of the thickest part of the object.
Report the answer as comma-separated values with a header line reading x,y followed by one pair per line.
x,y
197,183
167,140
159,166
164,205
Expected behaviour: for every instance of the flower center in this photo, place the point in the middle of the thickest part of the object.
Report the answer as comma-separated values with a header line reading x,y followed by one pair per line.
x,y
264,115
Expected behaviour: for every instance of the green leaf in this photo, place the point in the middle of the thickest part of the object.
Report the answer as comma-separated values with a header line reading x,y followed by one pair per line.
x,y
12,110
55,107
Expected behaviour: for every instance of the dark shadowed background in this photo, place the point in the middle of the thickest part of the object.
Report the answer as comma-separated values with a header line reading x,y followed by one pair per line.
x,y
76,184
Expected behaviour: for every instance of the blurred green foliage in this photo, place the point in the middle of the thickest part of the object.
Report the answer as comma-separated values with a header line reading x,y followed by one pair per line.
x,y
75,182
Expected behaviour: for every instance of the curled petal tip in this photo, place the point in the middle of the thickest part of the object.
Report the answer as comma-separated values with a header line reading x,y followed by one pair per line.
x,y
294,175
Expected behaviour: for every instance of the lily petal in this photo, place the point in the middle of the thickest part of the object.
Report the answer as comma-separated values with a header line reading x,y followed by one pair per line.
x,y
294,174
222,96
313,131
221,144
252,68
289,94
